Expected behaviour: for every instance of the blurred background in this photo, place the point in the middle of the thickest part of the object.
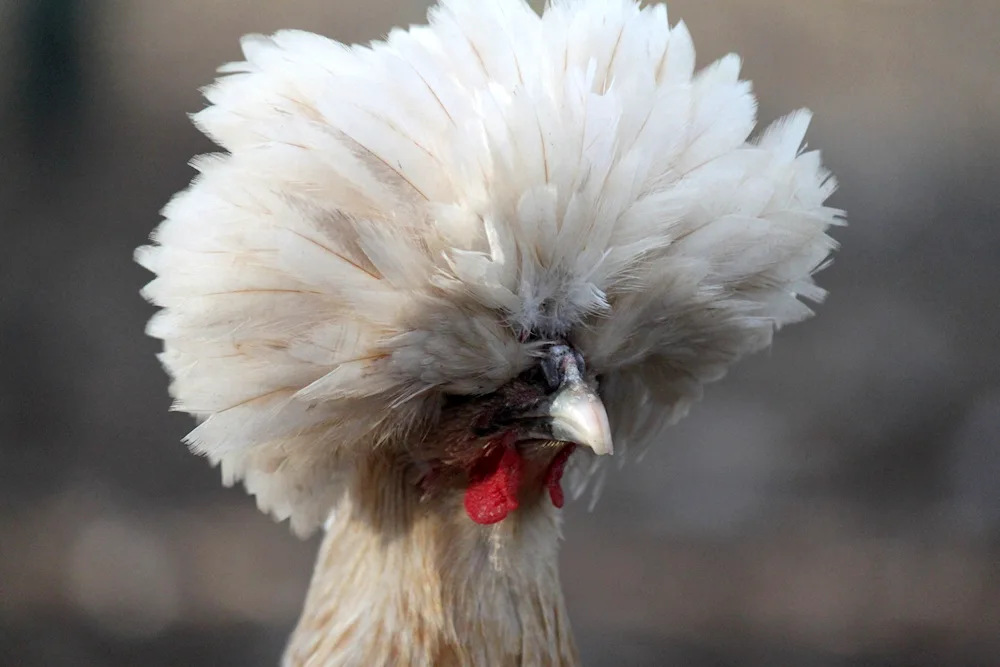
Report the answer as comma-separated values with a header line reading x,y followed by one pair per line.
x,y
834,502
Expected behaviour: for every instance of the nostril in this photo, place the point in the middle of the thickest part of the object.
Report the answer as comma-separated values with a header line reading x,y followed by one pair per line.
x,y
551,372
561,364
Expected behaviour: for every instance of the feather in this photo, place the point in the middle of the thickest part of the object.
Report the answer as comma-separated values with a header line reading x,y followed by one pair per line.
x,y
387,223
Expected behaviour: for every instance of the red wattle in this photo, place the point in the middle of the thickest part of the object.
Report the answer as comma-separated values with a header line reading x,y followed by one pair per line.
x,y
493,485
553,477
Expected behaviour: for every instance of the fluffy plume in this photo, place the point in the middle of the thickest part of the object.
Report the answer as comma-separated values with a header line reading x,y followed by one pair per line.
x,y
390,222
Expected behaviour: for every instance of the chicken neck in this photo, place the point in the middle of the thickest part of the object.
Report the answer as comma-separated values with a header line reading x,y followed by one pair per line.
x,y
403,580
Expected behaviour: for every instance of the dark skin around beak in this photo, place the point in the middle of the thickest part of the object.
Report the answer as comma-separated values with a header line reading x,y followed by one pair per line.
x,y
572,410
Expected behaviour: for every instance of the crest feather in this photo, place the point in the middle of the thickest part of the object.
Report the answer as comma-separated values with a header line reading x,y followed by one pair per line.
x,y
388,221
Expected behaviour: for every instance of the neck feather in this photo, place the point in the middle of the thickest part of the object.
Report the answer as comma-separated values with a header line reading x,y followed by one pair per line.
x,y
404,582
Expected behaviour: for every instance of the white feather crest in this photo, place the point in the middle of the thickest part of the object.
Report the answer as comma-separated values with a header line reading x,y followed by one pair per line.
x,y
389,220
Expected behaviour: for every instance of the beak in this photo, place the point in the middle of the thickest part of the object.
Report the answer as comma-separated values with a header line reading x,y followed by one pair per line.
x,y
577,415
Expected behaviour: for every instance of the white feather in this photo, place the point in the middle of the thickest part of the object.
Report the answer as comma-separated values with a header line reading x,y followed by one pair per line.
x,y
389,220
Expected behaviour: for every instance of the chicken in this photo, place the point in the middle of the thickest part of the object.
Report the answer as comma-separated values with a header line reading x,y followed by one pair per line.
x,y
429,275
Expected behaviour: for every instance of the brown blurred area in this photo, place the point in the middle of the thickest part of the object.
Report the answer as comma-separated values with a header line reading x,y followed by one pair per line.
x,y
835,502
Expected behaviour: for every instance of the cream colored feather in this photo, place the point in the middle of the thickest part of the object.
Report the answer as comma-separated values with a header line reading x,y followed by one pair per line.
x,y
388,223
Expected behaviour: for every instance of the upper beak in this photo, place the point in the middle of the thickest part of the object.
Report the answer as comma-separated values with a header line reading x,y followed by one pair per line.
x,y
578,416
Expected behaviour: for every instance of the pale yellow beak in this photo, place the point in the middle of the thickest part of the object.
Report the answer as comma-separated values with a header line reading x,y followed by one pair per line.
x,y
578,416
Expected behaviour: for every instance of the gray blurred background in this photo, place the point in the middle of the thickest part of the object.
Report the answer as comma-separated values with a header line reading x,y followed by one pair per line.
x,y
834,502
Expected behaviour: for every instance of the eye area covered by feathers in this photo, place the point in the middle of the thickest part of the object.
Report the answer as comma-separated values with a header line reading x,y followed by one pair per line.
x,y
393,223
507,446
